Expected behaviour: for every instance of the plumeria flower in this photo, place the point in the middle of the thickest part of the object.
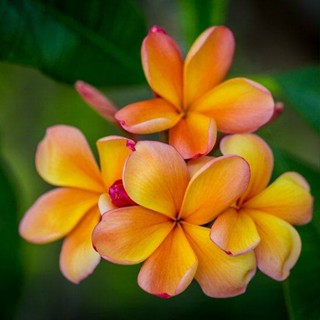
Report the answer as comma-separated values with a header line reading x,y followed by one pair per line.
x,y
64,159
191,99
167,226
261,218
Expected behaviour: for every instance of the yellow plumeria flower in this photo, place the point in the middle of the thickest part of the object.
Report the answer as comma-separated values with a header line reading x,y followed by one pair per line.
x,y
192,101
166,227
64,159
261,218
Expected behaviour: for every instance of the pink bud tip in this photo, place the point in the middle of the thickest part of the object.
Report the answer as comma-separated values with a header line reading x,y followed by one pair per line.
x,y
157,29
83,89
131,145
119,196
163,295
277,110
278,107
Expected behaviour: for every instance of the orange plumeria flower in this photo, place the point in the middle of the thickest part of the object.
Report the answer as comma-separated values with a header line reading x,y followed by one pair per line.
x,y
166,227
64,159
191,100
261,218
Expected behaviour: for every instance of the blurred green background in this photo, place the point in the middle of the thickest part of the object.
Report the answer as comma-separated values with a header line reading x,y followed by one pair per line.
x,y
46,45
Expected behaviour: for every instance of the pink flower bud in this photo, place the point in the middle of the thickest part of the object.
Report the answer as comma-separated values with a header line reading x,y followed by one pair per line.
x,y
277,111
119,196
96,100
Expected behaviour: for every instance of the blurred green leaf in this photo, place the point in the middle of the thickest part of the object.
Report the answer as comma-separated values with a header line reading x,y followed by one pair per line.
x,y
196,16
301,89
303,285
10,266
96,41
263,300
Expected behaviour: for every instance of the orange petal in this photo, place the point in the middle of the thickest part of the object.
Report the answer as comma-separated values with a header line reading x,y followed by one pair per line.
x,y
64,159
214,188
280,245
219,275
257,153
171,268
55,214
113,152
194,135
129,235
207,62
194,165
234,232
97,100
78,259
287,197
148,116
163,66
237,105
156,177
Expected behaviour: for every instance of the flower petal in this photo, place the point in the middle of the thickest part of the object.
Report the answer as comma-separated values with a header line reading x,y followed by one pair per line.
x,y
55,214
148,116
163,66
171,268
78,258
214,188
238,105
156,177
194,135
207,62
219,275
194,165
234,232
287,197
257,153
129,235
113,152
64,159
280,245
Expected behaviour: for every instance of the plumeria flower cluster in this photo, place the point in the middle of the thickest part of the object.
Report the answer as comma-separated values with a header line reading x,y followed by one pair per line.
x,y
182,212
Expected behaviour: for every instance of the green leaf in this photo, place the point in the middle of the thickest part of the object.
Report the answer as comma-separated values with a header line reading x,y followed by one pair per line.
x,y
96,41
10,266
196,16
303,285
301,89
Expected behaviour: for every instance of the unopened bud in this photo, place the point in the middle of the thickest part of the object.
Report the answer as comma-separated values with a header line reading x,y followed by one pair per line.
x,y
97,100
119,196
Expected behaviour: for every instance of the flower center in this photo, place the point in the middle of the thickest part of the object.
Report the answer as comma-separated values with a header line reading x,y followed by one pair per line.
x,y
119,196
237,204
